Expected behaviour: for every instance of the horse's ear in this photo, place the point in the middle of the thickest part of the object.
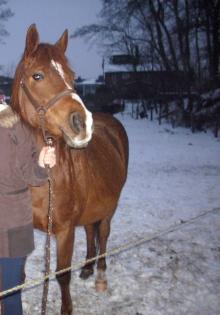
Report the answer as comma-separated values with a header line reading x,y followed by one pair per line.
x,y
63,41
32,40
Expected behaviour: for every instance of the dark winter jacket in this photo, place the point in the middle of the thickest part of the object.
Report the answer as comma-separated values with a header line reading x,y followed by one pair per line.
x,y
18,170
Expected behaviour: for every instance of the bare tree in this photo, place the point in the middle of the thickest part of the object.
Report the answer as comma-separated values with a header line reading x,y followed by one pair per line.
x,y
5,14
210,13
118,29
170,35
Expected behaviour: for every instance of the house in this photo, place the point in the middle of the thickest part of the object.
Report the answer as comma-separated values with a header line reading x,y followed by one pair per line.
x,y
146,84
128,79
87,87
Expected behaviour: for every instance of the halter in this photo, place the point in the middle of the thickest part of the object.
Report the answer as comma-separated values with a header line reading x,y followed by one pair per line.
x,y
41,110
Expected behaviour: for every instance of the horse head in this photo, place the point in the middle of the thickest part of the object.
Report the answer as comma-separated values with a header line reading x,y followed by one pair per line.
x,y
43,90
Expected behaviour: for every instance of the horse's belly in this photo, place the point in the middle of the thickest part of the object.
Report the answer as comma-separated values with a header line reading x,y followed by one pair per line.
x,y
97,210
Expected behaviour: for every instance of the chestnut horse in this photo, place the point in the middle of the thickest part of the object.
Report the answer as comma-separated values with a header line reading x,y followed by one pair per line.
x,y
92,155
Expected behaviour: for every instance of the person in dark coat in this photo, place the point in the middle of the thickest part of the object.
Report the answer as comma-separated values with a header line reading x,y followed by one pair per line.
x,y
21,166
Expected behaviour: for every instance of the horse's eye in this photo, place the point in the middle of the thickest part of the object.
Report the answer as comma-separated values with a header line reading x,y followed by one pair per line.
x,y
38,76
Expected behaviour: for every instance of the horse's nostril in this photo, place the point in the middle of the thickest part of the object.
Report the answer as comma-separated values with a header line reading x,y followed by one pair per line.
x,y
77,122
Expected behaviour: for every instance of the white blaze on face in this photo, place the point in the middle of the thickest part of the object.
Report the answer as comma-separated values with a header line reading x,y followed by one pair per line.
x,y
59,69
88,114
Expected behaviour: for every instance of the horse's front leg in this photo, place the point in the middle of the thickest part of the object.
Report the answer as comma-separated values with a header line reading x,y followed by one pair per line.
x,y
88,268
103,234
65,242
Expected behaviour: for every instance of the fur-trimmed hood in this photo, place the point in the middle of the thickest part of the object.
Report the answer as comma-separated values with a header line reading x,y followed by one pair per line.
x,y
8,118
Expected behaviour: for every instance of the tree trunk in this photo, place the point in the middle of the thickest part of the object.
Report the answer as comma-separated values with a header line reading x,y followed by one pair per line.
x,y
162,50
197,48
208,40
169,39
215,40
179,31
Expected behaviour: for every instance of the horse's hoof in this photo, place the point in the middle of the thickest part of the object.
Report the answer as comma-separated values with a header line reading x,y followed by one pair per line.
x,y
101,286
86,273
101,283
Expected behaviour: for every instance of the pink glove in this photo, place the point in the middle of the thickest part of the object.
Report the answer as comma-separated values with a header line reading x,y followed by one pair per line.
x,y
47,157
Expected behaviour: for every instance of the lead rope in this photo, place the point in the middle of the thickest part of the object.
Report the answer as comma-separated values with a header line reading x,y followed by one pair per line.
x,y
49,142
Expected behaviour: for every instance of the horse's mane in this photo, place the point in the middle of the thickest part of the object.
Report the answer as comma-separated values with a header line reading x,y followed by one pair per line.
x,y
45,53
14,100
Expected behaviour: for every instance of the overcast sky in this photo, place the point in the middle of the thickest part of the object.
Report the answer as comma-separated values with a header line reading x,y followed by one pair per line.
x,y
52,17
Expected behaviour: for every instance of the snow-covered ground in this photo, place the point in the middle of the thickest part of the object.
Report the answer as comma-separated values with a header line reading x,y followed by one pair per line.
x,y
173,176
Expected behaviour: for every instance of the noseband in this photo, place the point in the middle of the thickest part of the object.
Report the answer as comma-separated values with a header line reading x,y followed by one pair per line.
x,y
41,110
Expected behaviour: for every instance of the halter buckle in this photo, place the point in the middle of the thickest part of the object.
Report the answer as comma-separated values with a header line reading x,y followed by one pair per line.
x,y
41,111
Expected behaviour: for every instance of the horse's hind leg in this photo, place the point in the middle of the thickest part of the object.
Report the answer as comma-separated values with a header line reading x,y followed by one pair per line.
x,y
88,268
65,241
103,234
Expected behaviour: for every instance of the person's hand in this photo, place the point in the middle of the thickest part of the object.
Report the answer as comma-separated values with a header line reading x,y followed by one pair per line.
x,y
47,157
